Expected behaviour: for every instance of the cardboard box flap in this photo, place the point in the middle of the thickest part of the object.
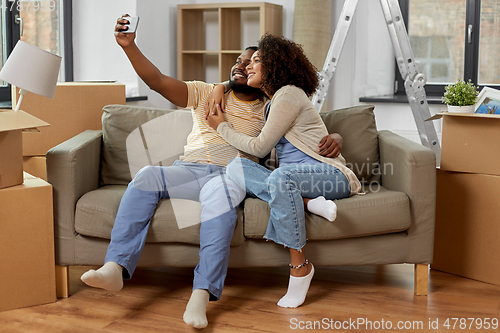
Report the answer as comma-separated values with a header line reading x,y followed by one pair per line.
x,y
19,120
456,114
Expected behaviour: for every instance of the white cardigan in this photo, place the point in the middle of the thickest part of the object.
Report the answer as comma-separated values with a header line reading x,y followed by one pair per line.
x,y
293,116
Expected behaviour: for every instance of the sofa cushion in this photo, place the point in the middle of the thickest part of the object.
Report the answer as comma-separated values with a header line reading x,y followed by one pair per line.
x,y
174,221
357,127
380,211
135,136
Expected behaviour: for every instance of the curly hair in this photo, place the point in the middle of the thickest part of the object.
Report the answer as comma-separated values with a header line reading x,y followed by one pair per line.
x,y
284,63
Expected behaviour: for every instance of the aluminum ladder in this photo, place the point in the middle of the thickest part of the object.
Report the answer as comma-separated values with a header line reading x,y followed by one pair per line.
x,y
414,81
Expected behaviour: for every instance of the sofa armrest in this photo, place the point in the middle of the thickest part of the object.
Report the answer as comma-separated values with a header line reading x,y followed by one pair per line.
x,y
73,170
409,167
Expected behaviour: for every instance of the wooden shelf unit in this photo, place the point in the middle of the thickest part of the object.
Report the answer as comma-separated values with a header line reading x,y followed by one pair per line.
x,y
196,56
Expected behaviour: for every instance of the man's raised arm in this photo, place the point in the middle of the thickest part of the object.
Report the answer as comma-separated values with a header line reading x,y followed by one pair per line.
x,y
172,89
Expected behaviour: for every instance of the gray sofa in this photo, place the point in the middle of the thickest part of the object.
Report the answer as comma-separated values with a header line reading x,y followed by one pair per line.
x,y
393,223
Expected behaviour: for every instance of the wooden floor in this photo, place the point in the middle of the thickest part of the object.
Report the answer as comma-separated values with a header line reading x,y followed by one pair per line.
x,y
154,301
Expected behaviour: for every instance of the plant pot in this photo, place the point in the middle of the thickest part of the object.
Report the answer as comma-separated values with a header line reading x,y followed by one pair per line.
x,y
461,109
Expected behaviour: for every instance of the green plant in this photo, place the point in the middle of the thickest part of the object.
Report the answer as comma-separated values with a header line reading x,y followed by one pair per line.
x,y
460,93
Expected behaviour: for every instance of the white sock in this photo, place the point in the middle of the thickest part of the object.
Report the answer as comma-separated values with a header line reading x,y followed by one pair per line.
x,y
322,207
196,309
297,290
108,277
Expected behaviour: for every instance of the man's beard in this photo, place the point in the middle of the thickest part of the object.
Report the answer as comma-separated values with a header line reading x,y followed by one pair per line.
x,y
243,88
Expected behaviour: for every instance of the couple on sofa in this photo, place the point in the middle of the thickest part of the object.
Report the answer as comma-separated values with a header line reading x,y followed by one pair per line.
x,y
239,134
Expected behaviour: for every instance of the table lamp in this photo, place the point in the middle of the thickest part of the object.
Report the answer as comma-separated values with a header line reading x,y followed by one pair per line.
x,y
31,69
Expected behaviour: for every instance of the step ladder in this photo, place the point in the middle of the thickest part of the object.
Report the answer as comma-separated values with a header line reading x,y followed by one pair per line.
x,y
414,81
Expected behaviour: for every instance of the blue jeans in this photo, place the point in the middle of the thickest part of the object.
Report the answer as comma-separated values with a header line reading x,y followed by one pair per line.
x,y
208,184
284,189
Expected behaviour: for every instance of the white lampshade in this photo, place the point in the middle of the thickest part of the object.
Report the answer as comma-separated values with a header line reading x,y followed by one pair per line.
x,y
32,69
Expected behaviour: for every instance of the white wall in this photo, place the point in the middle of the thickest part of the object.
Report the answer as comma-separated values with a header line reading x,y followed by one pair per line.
x,y
158,42
96,56
365,68
161,46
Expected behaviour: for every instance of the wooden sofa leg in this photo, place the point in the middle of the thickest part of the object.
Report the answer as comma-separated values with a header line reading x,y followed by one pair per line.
x,y
62,281
421,279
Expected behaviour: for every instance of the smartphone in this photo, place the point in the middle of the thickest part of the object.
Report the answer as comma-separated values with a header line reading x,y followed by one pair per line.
x,y
132,26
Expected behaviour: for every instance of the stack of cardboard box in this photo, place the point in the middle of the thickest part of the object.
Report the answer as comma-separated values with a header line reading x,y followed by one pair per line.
x,y
76,107
27,269
468,187
27,275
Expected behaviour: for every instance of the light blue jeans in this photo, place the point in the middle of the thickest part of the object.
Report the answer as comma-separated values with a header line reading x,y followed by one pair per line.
x,y
208,184
284,189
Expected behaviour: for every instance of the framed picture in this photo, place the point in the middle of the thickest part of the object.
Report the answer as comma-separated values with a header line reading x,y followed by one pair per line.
x,y
488,101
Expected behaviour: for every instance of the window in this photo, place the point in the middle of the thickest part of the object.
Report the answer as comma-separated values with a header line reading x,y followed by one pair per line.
x,y
44,23
454,39
8,35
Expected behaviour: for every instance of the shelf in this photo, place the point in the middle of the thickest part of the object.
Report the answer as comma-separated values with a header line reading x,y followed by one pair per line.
x,y
431,99
200,52
217,6
211,36
238,52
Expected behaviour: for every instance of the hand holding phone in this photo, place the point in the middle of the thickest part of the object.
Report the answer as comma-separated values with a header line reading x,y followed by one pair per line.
x,y
132,25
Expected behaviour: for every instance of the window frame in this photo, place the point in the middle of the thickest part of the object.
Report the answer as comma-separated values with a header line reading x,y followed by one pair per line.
x,y
13,35
68,39
471,56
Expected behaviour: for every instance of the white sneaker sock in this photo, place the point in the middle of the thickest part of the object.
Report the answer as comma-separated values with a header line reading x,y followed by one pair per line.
x,y
322,207
297,290
108,277
196,309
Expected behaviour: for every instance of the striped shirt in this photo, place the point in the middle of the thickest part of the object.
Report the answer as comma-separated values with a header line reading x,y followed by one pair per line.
x,y
204,144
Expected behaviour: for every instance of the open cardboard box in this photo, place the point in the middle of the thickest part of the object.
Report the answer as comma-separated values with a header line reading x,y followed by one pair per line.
x,y
470,143
12,124
76,107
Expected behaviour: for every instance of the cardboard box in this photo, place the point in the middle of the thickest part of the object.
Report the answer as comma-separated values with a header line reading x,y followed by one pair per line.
x,y
12,123
36,166
467,232
27,270
76,107
470,143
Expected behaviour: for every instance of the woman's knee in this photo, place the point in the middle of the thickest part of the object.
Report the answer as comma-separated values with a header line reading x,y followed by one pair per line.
x,y
280,180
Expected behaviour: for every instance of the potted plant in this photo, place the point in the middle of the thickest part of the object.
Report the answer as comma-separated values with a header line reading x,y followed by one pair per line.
x,y
460,96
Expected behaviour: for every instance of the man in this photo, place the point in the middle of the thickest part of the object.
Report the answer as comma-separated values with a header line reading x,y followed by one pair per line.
x,y
198,175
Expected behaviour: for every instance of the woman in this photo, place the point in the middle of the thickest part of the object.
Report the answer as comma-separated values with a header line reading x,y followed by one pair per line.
x,y
293,125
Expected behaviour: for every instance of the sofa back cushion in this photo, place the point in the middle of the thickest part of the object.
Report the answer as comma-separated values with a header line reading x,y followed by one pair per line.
x,y
137,136
134,137
357,127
